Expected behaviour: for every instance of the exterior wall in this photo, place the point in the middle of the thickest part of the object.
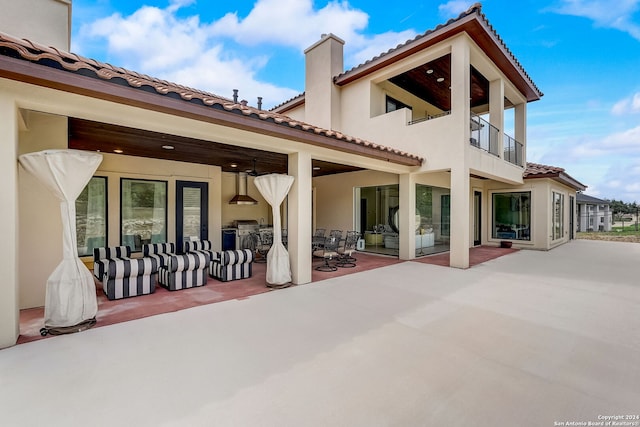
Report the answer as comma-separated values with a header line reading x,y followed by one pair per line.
x,y
44,21
260,212
334,205
541,212
40,235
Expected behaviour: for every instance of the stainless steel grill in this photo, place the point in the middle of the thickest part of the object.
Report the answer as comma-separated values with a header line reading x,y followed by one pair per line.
x,y
245,228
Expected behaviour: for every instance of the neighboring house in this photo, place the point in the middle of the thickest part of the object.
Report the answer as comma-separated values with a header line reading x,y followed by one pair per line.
x,y
408,149
593,214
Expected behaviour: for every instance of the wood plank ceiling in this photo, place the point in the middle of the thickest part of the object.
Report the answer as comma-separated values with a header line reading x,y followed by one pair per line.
x,y
431,82
106,138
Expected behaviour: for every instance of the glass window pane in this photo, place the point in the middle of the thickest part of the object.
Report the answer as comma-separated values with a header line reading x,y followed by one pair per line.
x,y
91,216
191,212
512,216
143,212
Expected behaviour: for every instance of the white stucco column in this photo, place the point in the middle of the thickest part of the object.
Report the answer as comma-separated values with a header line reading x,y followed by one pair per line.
x,y
496,111
460,224
9,292
299,217
407,218
520,128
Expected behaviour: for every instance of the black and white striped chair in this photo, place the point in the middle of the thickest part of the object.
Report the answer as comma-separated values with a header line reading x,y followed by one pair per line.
x,y
232,265
124,278
203,246
184,271
102,256
160,251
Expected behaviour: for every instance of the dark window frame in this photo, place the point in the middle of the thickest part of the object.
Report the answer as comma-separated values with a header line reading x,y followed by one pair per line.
x,y
513,234
166,208
106,213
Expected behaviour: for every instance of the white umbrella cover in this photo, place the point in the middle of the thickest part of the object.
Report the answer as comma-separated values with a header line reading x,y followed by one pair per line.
x,y
274,188
71,292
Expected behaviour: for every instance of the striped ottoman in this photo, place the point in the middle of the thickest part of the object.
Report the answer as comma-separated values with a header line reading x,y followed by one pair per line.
x,y
124,278
184,271
232,265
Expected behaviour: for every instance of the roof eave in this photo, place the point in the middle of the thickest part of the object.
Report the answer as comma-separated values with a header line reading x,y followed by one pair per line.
x,y
478,30
560,177
31,73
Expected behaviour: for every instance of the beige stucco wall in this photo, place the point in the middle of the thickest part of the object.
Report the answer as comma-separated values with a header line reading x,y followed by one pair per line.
x,y
44,21
40,223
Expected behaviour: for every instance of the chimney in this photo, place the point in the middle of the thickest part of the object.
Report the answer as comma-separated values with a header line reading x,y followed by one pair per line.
x,y
235,96
243,102
259,103
323,61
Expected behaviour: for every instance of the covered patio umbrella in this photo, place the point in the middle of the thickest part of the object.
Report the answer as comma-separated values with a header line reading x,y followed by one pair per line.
x,y
70,304
274,188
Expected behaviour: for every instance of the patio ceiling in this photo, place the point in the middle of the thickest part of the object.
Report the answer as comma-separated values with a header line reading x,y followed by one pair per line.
x,y
104,137
423,82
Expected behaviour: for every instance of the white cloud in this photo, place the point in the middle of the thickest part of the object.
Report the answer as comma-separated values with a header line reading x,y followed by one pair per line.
x,y
293,23
454,8
205,55
628,105
605,13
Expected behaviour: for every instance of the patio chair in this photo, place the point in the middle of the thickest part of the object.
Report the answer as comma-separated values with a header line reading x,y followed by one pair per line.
x,y
317,240
102,256
336,233
160,251
345,253
264,244
328,252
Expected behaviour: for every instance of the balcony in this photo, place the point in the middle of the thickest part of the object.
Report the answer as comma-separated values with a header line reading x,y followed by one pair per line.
x,y
513,151
485,136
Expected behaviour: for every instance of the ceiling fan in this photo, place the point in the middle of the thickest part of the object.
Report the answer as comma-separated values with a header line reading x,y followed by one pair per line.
x,y
254,172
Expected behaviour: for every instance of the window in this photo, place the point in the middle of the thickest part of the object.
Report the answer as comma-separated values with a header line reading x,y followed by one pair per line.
x,y
91,216
512,216
558,216
143,212
394,104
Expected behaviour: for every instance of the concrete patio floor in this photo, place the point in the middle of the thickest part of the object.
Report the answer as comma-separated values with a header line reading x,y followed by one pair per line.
x,y
528,339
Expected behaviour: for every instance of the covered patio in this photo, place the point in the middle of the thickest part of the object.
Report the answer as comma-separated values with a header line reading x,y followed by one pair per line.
x,y
164,301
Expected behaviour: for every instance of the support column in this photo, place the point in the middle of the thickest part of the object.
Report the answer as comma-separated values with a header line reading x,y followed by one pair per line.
x,y
407,218
460,224
460,218
496,112
299,217
9,290
520,129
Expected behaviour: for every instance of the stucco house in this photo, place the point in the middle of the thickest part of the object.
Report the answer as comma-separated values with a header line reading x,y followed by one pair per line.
x,y
409,149
593,214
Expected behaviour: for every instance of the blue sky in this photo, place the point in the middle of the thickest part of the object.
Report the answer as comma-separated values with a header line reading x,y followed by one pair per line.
x,y
583,55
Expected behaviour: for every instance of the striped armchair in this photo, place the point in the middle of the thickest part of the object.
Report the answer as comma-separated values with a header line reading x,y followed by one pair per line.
x,y
203,246
124,278
184,271
102,256
159,251
232,265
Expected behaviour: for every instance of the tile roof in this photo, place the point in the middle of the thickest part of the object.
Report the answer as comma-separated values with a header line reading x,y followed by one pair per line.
x,y
536,170
584,198
475,9
55,58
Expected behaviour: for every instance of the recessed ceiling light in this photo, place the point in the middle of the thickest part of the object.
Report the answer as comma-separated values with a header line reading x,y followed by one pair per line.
x,y
316,168
234,165
118,151
429,71
440,79
168,147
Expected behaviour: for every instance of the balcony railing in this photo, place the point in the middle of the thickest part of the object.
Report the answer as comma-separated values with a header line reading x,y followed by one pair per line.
x,y
484,135
429,117
513,151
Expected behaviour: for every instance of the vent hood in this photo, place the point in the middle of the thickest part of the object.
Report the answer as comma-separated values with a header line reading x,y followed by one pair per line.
x,y
241,197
